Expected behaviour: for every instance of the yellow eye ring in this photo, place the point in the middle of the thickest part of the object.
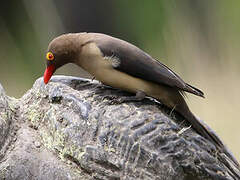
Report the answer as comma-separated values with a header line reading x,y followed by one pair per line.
x,y
50,56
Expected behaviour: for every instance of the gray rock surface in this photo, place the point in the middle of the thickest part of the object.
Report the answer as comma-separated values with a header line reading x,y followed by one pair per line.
x,y
69,129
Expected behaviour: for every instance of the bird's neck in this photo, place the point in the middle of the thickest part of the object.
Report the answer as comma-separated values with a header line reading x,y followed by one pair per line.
x,y
89,56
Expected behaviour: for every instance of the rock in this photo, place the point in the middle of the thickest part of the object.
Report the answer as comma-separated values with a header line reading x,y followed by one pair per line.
x,y
69,129
6,123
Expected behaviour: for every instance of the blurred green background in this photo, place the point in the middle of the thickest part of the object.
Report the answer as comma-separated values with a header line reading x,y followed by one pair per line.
x,y
200,40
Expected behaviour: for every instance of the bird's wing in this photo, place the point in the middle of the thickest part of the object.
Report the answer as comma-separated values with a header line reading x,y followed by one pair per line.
x,y
137,63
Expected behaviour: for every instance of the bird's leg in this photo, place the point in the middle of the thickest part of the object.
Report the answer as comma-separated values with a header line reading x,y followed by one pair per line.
x,y
138,97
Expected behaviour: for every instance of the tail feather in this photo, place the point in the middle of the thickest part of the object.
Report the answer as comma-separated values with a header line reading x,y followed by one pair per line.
x,y
228,159
176,100
205,131
194,90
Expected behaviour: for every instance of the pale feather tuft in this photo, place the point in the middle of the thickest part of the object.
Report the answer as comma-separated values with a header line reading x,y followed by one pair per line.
x,y
115,61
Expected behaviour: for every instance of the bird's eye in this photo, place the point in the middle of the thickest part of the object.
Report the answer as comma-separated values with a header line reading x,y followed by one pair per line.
x,y
50,56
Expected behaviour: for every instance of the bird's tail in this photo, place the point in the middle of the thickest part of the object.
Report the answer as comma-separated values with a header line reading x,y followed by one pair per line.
x,y
193,90
205,131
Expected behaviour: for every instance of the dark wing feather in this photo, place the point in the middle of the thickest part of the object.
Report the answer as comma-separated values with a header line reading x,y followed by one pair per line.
x,y
139,64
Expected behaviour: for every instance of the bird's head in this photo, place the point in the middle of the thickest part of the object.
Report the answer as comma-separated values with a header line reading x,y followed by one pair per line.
x,y
61,50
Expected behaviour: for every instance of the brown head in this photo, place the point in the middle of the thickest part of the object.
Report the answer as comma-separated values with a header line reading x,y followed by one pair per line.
x,y
61,50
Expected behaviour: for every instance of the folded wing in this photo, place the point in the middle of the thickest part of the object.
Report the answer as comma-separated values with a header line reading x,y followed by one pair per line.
x,y
137,63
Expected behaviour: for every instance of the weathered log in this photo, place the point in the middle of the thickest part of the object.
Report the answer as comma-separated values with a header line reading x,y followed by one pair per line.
x,y
69,129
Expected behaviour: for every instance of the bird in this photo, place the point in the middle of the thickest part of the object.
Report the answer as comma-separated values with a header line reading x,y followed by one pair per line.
x,y
122,65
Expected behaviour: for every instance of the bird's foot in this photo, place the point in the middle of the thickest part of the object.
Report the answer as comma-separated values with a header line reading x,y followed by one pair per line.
x,y
118,100
112,99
